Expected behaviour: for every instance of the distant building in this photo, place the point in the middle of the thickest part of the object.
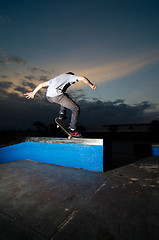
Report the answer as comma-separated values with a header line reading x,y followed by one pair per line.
x,y
140,127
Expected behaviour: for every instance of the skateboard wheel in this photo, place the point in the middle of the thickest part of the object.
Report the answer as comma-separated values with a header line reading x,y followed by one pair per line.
x,y
57,126
69,137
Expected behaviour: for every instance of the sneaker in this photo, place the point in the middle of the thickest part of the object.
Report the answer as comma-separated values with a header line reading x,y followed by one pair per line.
x,y
75,134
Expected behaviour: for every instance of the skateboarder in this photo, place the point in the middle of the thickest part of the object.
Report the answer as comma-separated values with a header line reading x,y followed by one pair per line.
x,y
56,94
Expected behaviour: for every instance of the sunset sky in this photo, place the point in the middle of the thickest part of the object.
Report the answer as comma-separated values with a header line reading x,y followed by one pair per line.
x,y
113,43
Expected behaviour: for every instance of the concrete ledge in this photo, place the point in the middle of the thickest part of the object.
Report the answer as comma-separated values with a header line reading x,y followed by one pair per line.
x,y
88,154
85,141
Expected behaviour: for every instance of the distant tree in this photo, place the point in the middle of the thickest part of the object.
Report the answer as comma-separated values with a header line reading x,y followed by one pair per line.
x,y
130,127
52,128
113,128
39,125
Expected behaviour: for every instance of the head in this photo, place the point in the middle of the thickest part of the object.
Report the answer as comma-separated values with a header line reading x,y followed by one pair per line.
x,y
71,73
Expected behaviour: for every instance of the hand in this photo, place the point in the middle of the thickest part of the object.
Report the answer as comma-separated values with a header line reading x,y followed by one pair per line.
x,y
93,87
29,95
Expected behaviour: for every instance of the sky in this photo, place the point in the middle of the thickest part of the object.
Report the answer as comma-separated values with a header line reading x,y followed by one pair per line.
x,y
115,44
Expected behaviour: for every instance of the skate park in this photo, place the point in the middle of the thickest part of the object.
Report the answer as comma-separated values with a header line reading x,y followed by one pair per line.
x,y
68,189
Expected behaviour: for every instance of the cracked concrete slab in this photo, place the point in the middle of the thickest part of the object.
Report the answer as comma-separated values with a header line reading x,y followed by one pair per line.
x,y
42,201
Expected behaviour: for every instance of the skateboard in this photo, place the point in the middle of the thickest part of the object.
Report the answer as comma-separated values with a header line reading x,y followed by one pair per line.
x,y
64,126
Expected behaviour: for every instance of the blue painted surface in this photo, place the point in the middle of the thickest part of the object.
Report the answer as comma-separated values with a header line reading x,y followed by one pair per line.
x,y
155,151
13,153
88,157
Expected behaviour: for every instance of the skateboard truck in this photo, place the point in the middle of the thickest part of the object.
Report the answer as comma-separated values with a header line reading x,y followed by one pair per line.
x,y
64,126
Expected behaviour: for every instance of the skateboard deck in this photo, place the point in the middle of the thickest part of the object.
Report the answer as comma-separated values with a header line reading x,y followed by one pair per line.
x,y
64,126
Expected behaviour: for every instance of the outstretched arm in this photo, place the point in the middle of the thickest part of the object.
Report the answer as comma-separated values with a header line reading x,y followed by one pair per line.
x,y
32,94
85,80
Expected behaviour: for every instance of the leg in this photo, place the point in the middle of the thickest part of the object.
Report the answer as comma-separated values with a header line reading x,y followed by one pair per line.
x,y
62,113
63,109
57,100
67,102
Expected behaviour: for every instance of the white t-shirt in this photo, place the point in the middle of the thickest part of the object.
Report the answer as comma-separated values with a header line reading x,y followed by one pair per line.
x,y
59,84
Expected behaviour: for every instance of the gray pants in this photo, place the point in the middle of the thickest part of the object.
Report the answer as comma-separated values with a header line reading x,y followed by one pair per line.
x,y
66,102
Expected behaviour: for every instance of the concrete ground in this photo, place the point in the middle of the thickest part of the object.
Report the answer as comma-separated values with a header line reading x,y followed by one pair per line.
x,y
41,201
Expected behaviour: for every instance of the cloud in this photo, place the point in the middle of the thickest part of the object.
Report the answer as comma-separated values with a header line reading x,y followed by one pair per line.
x,y
3,76
44,78
77,94
5,85
26,112
98,113
4,59
92,114
30,77
118,101
28,84
34,69
3,92
120,68
15,59
4,89
20,89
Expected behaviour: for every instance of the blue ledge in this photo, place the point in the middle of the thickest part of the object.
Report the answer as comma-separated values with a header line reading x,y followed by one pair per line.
x,y
155,150
88,154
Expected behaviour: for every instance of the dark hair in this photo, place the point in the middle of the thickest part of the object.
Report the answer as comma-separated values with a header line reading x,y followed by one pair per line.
x,y
71,73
